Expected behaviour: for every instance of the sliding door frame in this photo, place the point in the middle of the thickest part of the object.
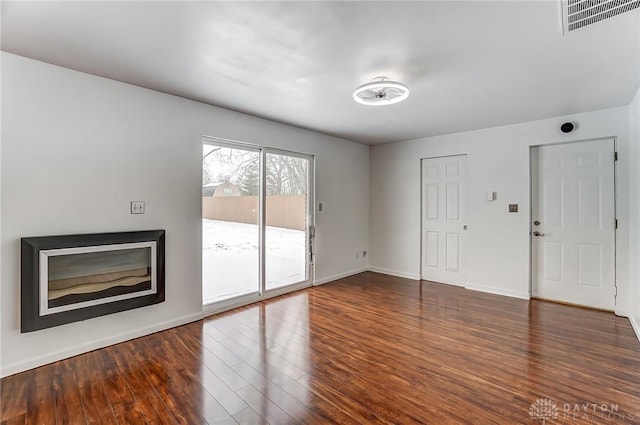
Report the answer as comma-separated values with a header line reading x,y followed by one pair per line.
x,y
263,293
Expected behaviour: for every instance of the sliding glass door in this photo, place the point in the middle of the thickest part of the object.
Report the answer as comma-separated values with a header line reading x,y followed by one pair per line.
x,y
256,222
230,223
286,236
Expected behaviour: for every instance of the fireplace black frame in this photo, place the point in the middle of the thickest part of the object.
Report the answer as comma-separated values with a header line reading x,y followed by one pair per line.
x,y
30,318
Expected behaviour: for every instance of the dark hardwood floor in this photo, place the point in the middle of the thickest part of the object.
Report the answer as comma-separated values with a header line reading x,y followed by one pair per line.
x,y
363,350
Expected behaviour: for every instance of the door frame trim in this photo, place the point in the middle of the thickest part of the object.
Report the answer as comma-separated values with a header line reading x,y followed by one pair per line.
x,y
615,210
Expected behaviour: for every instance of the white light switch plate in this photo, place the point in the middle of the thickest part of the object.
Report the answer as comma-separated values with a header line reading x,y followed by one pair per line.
x,y
137,207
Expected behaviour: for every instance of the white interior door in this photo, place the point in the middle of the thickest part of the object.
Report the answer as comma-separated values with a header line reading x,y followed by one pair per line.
x,y
443,212
573,223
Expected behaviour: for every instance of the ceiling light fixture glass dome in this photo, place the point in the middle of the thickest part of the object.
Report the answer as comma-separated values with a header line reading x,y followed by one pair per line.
x,y
381,92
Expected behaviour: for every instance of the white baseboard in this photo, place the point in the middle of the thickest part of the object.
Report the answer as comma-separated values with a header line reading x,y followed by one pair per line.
x,y
459,285
47,358
498,291
635,325
396,273
339,276
621,312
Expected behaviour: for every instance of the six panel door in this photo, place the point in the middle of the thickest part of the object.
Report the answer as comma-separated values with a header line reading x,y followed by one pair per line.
x,y
573,223
443,212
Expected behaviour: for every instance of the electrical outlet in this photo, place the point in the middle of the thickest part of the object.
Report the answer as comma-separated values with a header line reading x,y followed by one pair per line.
x,y
137,207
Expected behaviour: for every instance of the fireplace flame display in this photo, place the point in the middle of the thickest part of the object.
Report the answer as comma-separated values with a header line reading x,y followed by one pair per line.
x,y
82,277
96,283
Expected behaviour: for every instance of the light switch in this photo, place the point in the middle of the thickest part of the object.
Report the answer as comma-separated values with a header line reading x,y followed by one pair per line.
x,y
137,207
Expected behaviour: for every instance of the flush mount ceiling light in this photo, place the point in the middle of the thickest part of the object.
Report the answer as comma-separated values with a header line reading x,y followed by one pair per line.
x,y
381,92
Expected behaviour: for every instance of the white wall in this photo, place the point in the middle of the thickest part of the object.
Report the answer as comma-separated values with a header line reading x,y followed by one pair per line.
x,y
497,242
76,149
634,214
1,61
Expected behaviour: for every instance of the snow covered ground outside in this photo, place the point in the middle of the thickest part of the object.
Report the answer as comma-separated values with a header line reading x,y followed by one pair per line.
x,y
230,258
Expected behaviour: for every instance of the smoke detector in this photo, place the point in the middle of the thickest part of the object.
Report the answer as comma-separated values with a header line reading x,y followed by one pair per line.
x,y
380,92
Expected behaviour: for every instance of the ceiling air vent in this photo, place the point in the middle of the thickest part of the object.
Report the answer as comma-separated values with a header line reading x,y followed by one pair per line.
x,y
580,13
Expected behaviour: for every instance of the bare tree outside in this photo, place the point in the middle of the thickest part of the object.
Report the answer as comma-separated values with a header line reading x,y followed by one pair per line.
x,y
286,175
220,164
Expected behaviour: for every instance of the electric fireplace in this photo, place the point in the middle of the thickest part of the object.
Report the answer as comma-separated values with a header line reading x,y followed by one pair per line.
x,y
77,277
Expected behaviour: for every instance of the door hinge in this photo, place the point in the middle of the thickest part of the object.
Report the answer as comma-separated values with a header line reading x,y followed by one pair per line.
x,y
615,156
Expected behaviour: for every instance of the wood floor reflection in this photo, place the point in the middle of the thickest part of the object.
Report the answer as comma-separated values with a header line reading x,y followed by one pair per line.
x,y
369,349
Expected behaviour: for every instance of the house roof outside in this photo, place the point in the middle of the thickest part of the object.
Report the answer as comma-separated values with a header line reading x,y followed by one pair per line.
x,y
211,189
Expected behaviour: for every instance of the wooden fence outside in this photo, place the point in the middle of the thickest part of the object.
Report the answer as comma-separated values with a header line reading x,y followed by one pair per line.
x,y
287,211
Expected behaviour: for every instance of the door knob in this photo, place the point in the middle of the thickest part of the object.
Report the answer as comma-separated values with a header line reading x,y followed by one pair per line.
x,y
536,233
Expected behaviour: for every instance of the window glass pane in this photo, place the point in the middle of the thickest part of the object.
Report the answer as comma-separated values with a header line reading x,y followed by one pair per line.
x,y
230,223
286,220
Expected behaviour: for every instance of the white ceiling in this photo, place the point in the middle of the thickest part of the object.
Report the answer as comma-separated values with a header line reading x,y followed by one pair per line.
x,y
468,65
